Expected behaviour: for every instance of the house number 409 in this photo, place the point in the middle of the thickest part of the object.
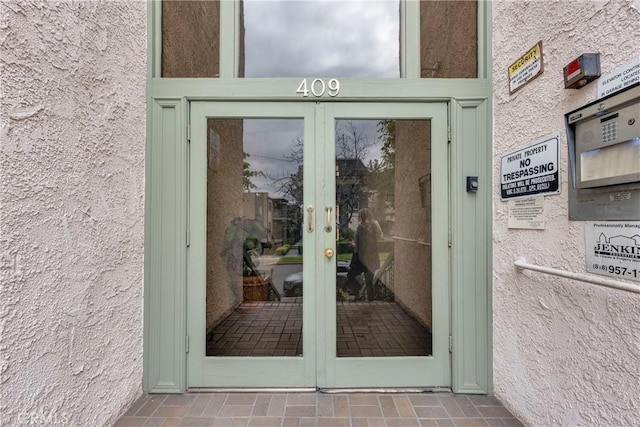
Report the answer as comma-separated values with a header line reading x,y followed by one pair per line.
x,y
318,88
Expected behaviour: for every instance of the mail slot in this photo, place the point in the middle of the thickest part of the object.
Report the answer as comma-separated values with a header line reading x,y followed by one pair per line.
x,y
604,158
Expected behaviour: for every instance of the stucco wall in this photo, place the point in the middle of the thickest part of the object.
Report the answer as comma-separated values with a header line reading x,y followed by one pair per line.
x,y
72,142
190,45
565,352
448,39
224,203
413,269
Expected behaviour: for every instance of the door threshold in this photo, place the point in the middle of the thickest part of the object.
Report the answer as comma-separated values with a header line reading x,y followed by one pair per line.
x,y
386,390
320,390
253,390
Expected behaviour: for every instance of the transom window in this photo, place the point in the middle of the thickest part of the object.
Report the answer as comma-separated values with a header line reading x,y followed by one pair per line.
x,y
319,38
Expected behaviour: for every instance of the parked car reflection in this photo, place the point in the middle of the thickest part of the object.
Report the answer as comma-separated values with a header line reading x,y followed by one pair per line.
x,y
292,285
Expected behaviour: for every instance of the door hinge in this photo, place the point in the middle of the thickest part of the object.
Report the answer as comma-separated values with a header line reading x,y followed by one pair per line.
x,y
188,238
450,344
186,344
448,133
449,239
188,132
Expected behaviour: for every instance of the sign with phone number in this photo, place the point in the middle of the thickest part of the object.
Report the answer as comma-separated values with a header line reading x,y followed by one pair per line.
x,y
613,248
617,270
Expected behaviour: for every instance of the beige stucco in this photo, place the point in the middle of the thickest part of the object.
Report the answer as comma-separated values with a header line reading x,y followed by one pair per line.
x,y
224,203
565,352
72,76
190,45
448,49
72,137
448,39
412,278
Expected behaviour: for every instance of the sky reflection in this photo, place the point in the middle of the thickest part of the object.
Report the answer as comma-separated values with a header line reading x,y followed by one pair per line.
x,y
322,38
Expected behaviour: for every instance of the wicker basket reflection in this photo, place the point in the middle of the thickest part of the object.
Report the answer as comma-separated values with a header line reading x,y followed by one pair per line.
x,y
255,288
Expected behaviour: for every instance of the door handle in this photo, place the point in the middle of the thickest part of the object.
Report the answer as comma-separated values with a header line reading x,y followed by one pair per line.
x,y
328,252
310,220
328,227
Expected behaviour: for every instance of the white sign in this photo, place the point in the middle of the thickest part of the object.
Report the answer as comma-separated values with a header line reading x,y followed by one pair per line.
x,y
613,248
527,213
619,79
526,68
534,170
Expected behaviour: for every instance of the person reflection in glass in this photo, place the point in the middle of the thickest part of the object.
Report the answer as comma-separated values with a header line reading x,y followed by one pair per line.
x,y
365,257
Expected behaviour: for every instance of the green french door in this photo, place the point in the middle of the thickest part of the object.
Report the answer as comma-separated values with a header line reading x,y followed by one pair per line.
x,y
318,245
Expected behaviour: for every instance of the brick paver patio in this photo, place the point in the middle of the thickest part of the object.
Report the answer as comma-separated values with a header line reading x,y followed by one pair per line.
x,y
275,329
318,409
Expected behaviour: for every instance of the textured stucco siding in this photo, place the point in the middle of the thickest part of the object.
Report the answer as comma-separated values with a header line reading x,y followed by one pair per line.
x,y
565,352
72,137
413,263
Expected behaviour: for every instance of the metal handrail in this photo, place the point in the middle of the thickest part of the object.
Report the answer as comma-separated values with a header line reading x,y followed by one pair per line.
x,y
404,239
522,264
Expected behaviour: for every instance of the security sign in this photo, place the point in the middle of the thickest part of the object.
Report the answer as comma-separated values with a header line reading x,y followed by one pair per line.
x,y
526,68
531,171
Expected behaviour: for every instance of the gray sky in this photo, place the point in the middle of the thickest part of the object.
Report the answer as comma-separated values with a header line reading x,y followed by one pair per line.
x,y
321,38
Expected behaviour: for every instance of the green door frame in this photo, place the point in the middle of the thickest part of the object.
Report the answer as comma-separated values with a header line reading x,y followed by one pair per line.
x,y
166,216
433,371
319,367
252,372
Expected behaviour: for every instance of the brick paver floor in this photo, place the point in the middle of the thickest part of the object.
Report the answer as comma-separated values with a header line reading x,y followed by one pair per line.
x,y
275,329
318,410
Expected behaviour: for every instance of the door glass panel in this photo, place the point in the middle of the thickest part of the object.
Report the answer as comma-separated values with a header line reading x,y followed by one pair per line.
x,y
383,203
285,38
190,38
448,39
254,215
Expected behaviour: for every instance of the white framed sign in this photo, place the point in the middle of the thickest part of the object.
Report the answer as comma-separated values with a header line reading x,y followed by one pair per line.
x,y
619,79
526,213
534,170
613,248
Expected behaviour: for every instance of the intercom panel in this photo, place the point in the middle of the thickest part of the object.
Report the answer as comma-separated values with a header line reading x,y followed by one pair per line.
x,y
604,158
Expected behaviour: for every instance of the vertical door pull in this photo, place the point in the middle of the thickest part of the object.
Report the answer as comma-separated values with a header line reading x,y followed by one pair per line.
x,y
310,220
327,227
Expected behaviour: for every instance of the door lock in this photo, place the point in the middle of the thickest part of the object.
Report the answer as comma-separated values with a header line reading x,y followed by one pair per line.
x,y
327,227
328,252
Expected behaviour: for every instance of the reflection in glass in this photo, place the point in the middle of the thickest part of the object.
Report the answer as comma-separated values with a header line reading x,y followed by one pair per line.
x,y
190,38
254,199
448,39
383,202
620,161
321,38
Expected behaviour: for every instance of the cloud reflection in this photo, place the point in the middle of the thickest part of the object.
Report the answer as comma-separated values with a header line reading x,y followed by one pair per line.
x,y
322,38
270,143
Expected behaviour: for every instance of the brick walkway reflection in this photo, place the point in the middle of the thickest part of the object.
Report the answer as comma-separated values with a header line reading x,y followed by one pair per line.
x,y
364,329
